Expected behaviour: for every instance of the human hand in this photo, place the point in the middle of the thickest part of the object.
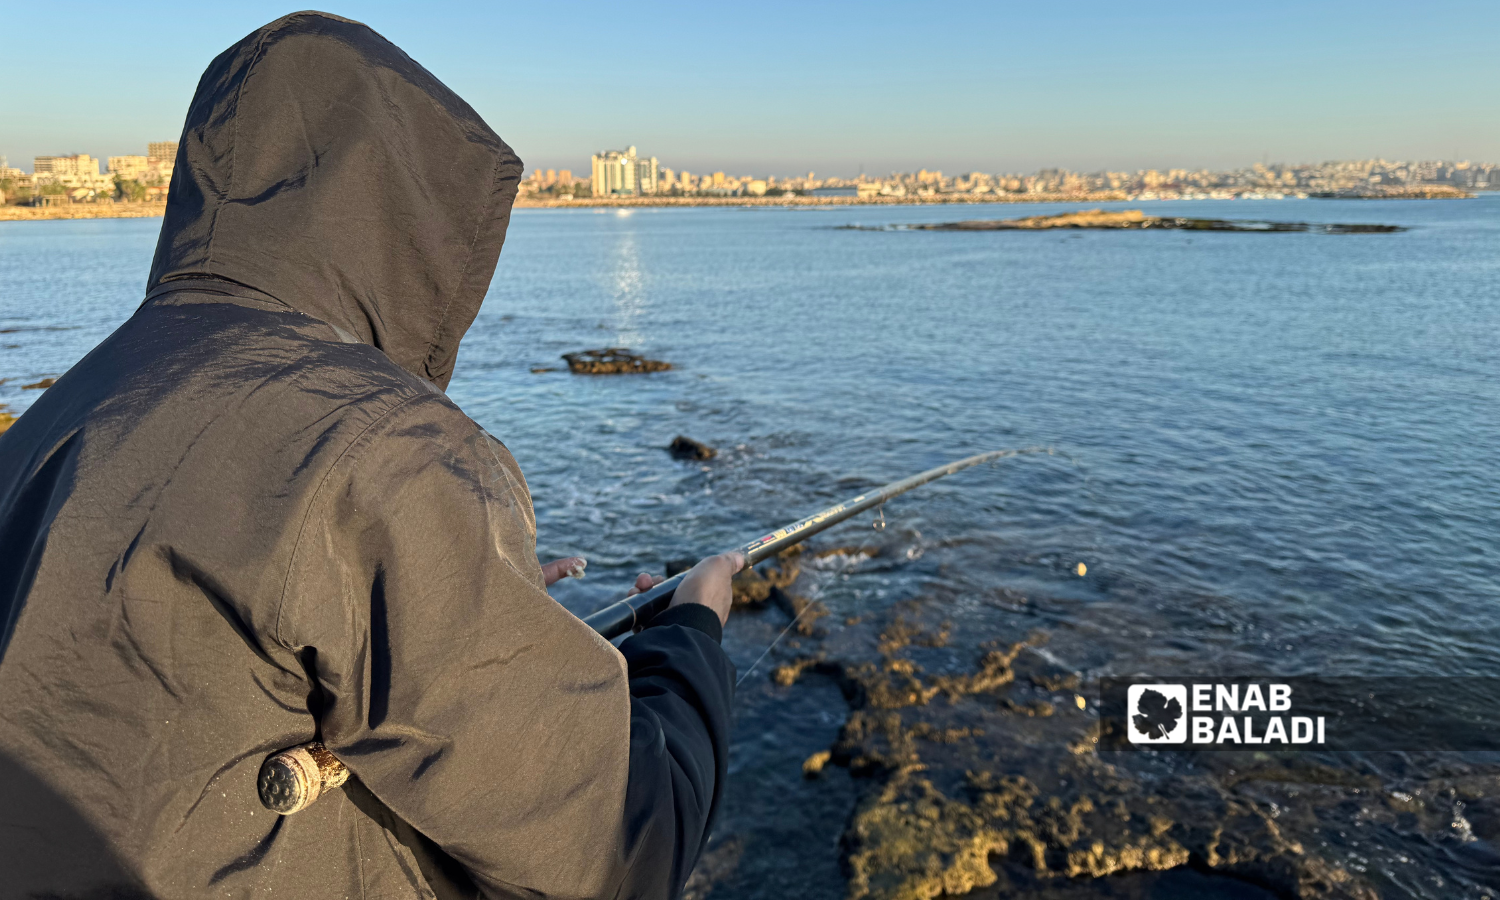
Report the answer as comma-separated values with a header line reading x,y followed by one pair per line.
x,y
558,569
645,582
708,583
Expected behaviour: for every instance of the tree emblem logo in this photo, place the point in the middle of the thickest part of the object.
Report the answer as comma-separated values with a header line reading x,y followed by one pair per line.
x,y
1155,713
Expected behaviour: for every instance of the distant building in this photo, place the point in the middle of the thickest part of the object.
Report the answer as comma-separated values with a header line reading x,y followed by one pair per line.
x,y
18,182
148,170
622,173
161,159
78,165
129,168
77,171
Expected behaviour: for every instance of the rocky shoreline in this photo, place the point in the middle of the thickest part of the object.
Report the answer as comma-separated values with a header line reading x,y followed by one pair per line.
x,y
82,211
148,210
987,779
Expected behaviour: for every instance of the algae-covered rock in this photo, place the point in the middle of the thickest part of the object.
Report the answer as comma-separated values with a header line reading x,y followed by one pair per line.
x,y
972,775
1135,219
753,587
977,765
813,765
909,842
612,361
683,447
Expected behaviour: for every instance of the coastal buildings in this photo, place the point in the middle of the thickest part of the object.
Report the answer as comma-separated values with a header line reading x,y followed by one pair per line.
x,y
619,173
557,184
131,168
73,168
151,170
623,173
76,178
1367,177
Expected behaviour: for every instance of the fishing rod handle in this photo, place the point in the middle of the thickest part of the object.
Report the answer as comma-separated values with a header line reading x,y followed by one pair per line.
x,y
292,779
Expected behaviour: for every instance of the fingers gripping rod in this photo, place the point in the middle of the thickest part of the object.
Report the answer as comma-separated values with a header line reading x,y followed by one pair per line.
x,y
292,779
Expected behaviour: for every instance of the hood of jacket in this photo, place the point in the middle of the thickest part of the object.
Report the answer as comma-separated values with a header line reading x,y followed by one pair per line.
x,y
322,166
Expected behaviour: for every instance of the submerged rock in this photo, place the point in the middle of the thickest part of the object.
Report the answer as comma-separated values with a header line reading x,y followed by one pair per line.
x,y
40,385
6,420
683,447
612,361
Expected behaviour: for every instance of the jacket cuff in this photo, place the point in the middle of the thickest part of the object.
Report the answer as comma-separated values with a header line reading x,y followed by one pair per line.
x,y
691,615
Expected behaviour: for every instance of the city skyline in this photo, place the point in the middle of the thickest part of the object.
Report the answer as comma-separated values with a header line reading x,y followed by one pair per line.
x,y
839,88
626,173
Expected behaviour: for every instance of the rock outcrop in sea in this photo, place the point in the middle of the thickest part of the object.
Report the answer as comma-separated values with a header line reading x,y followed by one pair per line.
x,y
683,447
612,361
1135,219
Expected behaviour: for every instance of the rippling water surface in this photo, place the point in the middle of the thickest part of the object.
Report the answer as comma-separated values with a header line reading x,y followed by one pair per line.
x,y
1278,453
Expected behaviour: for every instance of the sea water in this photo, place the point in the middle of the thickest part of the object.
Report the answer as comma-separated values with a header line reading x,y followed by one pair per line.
x,y
1278,454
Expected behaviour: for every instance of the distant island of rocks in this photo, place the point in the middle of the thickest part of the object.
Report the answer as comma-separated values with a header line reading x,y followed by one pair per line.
x,y
1133,219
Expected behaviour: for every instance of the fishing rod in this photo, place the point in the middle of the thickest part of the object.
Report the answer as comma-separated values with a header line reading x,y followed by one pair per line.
x,y
634,612
292,779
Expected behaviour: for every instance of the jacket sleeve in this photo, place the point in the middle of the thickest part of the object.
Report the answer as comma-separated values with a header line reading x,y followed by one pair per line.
x,y
482,714
681,688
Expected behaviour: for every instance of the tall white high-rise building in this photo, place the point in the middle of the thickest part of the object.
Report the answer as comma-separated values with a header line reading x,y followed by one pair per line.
x,y
622,173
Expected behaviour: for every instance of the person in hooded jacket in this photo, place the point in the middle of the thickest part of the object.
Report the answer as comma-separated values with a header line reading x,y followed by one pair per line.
x,y
251,518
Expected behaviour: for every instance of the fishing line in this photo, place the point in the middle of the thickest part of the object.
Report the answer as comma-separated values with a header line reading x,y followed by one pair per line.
x,y
741,680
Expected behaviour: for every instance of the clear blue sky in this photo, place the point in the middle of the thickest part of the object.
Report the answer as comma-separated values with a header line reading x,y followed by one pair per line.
x,y
781,88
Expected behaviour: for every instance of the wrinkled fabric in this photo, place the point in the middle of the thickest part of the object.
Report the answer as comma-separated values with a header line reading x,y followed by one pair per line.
x,y
250,518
